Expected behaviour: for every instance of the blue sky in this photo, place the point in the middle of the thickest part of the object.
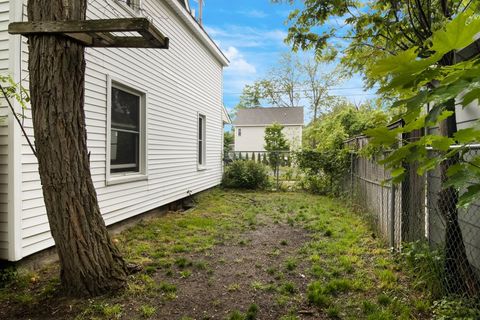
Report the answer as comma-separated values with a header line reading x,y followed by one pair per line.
x,y
251,33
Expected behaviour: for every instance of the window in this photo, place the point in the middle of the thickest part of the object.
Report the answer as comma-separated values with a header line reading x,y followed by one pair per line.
x,y
201,140
134,4
127,131
239,130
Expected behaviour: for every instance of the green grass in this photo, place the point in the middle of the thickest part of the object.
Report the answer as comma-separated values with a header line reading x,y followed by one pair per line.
x,y
348,274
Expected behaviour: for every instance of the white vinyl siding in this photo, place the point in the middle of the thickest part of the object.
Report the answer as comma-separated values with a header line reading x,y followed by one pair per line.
x,y
180,81
4,130
252,138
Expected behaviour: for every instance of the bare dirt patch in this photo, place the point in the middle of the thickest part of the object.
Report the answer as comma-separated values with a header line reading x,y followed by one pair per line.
x,y
250,271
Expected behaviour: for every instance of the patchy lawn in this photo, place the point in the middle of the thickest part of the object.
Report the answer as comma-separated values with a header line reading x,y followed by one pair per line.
x,y
240,255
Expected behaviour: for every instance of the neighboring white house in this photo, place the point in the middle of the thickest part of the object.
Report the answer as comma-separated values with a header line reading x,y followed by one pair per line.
x,y
250,127
167,144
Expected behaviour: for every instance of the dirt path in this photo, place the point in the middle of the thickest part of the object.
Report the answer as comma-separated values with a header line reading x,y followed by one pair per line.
x,y
249,271
239,256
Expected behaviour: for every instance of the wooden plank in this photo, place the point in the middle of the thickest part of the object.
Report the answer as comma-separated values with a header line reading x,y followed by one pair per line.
x,y
106,37
98,33
84,39
76,26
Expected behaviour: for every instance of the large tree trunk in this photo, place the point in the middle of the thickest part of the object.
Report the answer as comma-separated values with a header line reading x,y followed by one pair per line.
x,y
460,277
90,263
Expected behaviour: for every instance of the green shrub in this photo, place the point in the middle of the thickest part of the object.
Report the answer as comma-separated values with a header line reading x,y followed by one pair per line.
x,y
246,175
456,308
323,170
426,267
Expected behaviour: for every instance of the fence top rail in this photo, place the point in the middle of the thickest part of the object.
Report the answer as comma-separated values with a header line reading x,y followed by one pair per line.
x,y
283,151
473,146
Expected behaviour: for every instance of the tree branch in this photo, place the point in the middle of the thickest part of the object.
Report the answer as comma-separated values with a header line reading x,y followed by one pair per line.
x,y
18,120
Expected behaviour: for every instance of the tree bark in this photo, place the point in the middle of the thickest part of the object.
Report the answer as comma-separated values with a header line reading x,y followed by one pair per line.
x,y
460,278
90,262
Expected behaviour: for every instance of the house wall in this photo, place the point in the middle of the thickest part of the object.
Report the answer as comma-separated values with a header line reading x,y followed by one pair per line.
x,y
180,83
4,69
253,138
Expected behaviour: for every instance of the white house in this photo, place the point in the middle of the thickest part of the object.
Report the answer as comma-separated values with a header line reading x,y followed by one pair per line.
x,y
250,127
167,145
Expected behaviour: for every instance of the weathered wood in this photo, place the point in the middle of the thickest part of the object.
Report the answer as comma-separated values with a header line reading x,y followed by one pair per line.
x,y
97,33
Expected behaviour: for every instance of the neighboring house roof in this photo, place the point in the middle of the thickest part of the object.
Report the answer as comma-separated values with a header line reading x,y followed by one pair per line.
x,y
267,116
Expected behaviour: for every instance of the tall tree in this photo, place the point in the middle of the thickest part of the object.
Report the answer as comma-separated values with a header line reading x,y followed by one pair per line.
x,y
376,30
275,145
90,262
291,81
282,87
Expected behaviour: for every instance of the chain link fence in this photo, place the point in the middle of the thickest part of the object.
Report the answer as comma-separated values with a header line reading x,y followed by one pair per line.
x,y
421,211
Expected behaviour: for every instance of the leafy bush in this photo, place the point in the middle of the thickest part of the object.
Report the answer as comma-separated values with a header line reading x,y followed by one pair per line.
x,y
246,175
456,308
324,170
426,266
7,275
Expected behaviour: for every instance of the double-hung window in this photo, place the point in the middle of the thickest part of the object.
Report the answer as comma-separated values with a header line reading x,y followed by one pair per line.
x,y
201,140
127,131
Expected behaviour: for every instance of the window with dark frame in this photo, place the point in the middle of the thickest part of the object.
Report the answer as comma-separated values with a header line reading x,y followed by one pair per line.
x,y
125,131
132,3
239,132
201,139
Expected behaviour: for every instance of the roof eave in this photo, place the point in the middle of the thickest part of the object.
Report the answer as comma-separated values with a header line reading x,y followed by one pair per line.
x,y
199,31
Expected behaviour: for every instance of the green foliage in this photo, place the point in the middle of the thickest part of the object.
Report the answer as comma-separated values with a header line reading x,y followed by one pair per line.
x,y
14,90
7,275
228,141
275,139
147,311
456,309
431,81
323,169
275,142
425,266
246,175
374,28
326,162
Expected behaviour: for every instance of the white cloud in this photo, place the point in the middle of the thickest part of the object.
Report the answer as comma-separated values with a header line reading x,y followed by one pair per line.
x,y
238,63
247,37
254,13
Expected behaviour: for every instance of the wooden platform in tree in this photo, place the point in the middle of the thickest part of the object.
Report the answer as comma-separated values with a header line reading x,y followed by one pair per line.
x,y
98,33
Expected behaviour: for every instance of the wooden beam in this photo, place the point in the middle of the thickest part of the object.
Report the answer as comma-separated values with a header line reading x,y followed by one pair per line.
x,y
84,39
79,26
98,33
106,37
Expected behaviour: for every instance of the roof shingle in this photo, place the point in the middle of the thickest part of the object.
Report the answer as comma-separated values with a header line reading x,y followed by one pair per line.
x,y
268,116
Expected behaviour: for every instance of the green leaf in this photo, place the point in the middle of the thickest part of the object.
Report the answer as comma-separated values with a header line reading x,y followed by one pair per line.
x,y
468,135
471,195
382,136
428,165
457,34
398,172
441,143
470,96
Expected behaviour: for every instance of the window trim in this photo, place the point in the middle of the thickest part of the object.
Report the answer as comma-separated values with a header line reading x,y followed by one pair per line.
x,y
132,11
123,177
203,165
239,132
